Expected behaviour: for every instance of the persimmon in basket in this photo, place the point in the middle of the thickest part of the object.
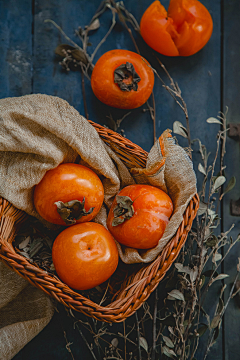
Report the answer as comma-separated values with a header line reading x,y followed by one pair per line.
x,y
68,194
139,215
84,255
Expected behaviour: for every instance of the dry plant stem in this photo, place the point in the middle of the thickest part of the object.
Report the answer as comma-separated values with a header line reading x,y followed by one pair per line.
x,y
125,341
138,337
105,37
84,94
155,325
175,91
68,345
211,339
85,340
153,108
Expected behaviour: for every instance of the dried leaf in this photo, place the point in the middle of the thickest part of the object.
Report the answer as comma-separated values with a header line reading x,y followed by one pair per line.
x,y
94,25
52,267
62,49
202,329
35,247
168,352
202,208
220,277
170,329
211,212
215,321
213,120
220,180
220,306
176,295
181,268
24,243
201,169
216,333
114,342
143,343
168,341
193,274
78,54
179,129
216,257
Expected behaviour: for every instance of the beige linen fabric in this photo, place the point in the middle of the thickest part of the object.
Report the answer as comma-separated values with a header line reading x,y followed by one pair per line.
x,y
24,312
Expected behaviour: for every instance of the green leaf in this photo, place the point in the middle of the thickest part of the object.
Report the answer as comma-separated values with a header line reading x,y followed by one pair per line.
x,y
202,329
213,120
176,295
215,321
168,352
209,273
179,129
230,185
220,180
201,169
143,343
168,341
212,241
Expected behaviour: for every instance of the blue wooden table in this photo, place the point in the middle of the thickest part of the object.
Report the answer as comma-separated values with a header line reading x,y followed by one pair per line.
x,y
209,80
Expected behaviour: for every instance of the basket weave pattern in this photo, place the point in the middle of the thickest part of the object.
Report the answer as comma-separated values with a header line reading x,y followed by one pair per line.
x,y
138,286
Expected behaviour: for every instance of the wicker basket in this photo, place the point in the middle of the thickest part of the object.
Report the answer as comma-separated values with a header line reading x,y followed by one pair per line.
x,y
138,285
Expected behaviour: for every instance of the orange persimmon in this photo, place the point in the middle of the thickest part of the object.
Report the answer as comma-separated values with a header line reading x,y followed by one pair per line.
x,y
183,30
68,194
122,79
139,215
84,255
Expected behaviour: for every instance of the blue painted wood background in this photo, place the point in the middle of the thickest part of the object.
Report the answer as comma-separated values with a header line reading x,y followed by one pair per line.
x,y
209,81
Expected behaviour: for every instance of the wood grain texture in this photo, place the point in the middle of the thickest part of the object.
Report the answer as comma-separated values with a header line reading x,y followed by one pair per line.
x,y
16,48
231,90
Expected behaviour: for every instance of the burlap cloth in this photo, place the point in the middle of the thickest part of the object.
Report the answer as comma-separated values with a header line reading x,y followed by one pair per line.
x,y
37,133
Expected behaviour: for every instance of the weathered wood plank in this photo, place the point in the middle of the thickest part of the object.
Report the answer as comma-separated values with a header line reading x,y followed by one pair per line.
x,y
16,48
231,87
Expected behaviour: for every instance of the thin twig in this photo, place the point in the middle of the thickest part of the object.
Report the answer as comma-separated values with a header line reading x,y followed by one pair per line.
x,y
125,341
85,340
155,325
138,337
84,94
211,340
68,345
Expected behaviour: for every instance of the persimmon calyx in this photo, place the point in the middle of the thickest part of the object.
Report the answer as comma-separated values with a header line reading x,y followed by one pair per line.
x,y
123,211
126,77
72,211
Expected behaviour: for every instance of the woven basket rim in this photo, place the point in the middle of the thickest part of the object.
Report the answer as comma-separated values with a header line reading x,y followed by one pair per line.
x,y
145,280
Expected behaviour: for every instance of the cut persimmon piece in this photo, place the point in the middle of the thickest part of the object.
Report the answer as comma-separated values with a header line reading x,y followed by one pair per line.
x,y
183,30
